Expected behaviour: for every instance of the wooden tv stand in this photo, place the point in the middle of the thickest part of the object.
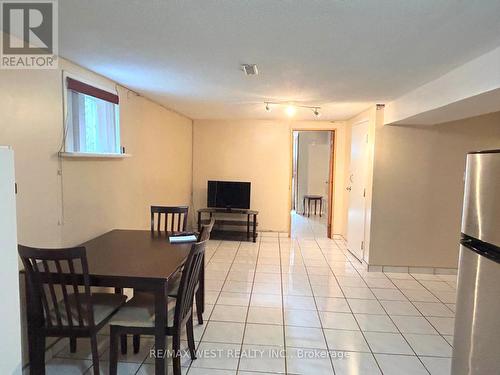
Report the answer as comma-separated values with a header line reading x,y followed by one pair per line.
x,y
218,233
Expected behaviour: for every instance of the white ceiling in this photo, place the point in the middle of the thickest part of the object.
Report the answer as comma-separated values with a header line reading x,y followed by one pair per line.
x,y
340,54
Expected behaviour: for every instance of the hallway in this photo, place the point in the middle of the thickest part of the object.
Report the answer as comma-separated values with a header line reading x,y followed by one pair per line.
x,y
308,227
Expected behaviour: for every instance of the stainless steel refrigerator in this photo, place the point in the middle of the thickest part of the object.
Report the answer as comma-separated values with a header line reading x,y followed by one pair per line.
x,y
477,324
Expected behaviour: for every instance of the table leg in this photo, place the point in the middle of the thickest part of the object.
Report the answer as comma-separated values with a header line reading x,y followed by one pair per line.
x,y
255,228
308,208
161,312
199,221
315,206
248,226
304,206
320,207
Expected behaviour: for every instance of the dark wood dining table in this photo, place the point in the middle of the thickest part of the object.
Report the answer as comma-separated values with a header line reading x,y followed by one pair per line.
x,y
139,259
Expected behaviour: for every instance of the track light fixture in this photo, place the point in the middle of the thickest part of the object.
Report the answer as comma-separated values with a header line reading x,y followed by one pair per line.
x,y
290,109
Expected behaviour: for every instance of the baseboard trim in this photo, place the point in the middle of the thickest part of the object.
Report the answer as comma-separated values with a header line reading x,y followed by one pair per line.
x,y
411,269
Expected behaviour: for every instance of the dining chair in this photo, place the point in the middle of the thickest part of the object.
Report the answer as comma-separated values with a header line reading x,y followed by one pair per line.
x,y
174,218
206,231
137,317
173,290
60,303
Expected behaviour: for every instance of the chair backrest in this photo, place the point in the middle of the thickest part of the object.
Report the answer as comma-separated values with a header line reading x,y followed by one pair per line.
x,y
175,218
54,273
206,230
189,279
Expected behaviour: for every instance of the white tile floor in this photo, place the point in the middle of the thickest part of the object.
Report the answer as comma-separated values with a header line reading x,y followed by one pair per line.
x,y
305,306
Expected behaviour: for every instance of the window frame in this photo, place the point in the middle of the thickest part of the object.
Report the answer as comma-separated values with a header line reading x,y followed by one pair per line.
x,y
68,146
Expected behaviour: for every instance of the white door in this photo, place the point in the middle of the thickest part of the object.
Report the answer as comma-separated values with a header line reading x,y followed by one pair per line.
x,y
356,188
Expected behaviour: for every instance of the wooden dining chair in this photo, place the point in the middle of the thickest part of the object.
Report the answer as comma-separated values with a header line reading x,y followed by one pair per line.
x,y
60,303
206,231
173,290
137,317
163,219
175,218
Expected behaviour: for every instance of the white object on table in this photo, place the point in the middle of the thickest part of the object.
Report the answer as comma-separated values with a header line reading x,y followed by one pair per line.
x,y
182,239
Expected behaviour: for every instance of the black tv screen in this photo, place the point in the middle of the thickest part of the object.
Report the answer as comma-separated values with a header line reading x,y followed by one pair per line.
x,y
228,194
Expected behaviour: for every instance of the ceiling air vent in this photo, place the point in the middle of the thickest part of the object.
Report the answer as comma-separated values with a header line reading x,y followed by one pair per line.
x,y
250,69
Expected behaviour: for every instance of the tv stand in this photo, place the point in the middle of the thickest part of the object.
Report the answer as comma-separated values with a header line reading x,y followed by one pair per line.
x,y
219,233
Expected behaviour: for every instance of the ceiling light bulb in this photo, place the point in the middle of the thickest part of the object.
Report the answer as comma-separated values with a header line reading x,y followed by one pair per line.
x,y
290,110
316,112
268,107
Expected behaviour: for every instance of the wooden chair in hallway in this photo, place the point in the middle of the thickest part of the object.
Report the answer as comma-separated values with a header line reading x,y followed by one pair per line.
x,y
175,218
137,316
60,303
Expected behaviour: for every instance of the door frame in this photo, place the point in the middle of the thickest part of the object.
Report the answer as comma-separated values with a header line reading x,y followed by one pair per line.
x,y
331,187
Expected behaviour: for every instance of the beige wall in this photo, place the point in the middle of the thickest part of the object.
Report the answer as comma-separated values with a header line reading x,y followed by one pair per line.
x,y
260,152
254,151
93,195
418,189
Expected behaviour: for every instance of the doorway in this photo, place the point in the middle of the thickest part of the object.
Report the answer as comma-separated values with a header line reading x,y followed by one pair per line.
x,y
312,183
356,217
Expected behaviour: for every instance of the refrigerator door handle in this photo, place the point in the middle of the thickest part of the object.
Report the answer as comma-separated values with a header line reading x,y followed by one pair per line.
x,y
485,249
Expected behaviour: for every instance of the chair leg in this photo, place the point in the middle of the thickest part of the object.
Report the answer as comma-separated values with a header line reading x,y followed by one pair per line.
x,y
72,344
176,348
95,354
113,351
37,354
137,343
123,344
190,337
199,305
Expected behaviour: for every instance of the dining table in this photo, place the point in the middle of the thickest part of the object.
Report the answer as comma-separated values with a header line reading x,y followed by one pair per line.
x,y
140,259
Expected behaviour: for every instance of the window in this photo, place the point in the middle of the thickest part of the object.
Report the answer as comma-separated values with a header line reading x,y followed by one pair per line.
x,y
92,124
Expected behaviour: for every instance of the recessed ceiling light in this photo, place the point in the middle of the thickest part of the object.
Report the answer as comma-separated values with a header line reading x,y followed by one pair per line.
x,y
250,69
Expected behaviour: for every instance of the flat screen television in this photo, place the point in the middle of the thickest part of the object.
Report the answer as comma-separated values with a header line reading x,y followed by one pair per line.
x,y
228,194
